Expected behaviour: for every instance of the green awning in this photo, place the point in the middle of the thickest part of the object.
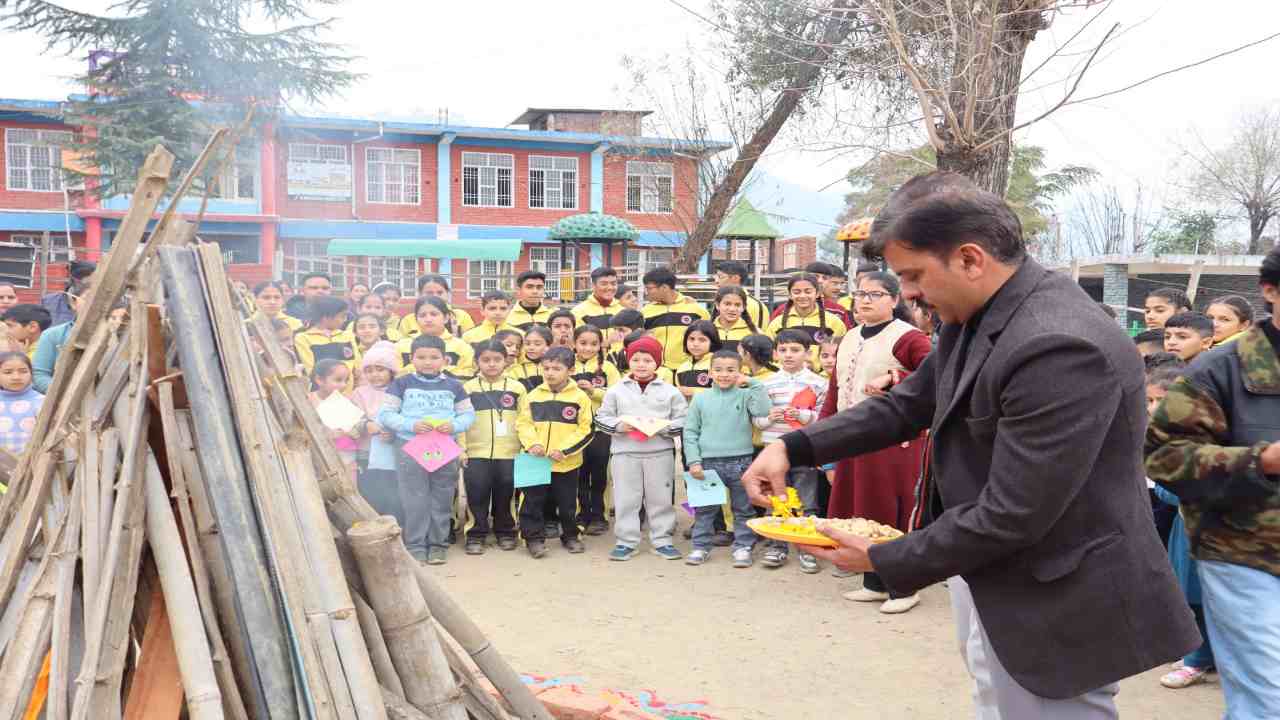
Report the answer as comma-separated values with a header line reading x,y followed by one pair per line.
x,y
469,249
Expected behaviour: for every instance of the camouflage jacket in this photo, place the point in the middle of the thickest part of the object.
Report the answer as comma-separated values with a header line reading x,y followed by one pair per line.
x,y
1205,442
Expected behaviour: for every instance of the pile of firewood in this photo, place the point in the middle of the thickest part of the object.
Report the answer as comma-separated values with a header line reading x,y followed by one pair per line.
x,y
181,537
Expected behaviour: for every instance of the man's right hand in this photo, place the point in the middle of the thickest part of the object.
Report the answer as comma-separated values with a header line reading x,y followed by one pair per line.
x,y
1271,459
767,476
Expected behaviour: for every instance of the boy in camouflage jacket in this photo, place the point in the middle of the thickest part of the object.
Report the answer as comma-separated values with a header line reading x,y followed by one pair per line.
x,y
1215,442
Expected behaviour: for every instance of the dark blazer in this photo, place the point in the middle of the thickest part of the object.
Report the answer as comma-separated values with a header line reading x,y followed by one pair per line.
x,y
1037,466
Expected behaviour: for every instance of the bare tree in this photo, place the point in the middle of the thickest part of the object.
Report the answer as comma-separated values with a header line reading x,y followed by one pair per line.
x,y
1245,173
1103,223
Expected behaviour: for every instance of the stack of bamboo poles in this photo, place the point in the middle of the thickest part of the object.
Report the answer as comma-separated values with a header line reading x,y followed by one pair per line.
x,y
180,535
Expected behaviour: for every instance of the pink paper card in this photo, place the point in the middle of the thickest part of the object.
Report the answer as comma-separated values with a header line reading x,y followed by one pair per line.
x,y
432,450
637,435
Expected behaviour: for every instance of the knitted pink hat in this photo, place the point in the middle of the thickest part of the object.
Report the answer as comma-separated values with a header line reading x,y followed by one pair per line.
x,y
382,354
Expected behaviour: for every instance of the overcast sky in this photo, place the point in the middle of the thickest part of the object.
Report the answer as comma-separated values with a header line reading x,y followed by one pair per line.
x,y
487,61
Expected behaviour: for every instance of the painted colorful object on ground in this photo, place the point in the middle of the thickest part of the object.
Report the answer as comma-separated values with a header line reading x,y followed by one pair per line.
x,y
646,700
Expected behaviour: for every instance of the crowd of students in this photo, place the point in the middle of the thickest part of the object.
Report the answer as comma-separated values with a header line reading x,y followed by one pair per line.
x,y
531,378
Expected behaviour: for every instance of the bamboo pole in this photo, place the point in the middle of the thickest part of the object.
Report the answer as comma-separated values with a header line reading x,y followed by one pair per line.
x,y
377,644
64,597
191,644
231,699
406,620
257,609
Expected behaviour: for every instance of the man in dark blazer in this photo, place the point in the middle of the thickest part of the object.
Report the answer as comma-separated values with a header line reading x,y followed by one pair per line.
x,y
1033,502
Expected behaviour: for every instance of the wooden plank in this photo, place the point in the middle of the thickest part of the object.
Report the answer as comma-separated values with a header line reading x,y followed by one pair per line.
x,y
1193,282
156,692
256,605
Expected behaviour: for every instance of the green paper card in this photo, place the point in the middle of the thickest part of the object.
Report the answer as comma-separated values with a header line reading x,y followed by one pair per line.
x,y
531,470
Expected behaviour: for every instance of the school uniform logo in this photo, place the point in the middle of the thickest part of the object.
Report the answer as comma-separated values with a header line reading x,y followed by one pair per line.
x,y
686,319
508,400
570,413
821,336
597,381
348,353
704,379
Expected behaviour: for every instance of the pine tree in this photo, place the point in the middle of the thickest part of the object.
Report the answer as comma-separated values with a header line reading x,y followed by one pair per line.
x,y
167,71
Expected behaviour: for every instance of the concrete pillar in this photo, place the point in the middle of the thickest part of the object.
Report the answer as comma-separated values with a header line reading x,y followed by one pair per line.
x,y
1115,290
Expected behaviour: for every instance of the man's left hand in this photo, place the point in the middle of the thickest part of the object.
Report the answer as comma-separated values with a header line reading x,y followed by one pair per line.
x,y
851,556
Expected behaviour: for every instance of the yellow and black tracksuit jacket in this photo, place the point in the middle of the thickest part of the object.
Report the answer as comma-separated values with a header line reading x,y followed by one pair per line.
x,y
485,331
557,421
591,312
462,359
527,373
314,345
667,324
730,337
602,376
462,322
523,319
496,404
819,325
756,310
695,375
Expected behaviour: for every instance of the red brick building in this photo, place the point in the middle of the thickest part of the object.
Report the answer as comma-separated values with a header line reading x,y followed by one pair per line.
x,y
307,181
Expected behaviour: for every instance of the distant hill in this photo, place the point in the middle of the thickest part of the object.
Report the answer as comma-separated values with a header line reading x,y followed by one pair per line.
x,y
794,209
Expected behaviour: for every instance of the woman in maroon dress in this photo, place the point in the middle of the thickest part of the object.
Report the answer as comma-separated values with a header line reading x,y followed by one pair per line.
x,y
873,357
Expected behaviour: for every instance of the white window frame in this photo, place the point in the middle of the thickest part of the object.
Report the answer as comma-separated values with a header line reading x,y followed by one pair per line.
x,y
243,163
646,180
790,255
553,172
380,163
318,259
479,163
486,275
400,271
637,261
548,260
316,153
59,245
48,143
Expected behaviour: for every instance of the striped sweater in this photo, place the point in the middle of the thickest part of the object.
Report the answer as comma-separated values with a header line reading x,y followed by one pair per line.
x,y
782,386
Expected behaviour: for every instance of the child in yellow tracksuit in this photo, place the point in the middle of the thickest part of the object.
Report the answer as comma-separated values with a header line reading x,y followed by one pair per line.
x,y
594,375
431,315
491,445
324,338
555,422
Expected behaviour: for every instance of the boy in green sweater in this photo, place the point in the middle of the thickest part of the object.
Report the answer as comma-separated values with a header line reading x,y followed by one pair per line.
x,y
717,436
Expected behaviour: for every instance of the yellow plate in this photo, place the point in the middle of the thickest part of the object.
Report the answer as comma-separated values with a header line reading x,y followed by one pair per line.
x,y
799,534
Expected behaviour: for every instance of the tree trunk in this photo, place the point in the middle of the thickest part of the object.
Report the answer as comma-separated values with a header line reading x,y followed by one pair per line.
x,y
995,112
1257,223
797,87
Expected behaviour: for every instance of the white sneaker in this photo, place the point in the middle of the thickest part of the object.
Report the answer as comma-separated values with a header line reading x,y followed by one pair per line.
x,y
838,573
742,557
865,595
895,606
809,564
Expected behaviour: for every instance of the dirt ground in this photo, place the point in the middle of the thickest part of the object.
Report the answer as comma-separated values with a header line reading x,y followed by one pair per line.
x,y
754,644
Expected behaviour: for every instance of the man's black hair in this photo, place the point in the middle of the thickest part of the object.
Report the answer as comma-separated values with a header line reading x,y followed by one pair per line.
x,y
431,342
316,274
29,313
1154,336
793,336
726,355
561,355
818,268
1197,321
81,269
429,278
733,267
1173,296
528,275
1269,272
660,276
627,318
602,272
939,212
493,296
326,306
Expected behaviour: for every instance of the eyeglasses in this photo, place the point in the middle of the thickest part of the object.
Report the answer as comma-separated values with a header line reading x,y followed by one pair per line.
x,y
872,295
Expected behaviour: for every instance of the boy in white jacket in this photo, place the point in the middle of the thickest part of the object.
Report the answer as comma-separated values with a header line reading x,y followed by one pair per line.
x,y
782,387
643,470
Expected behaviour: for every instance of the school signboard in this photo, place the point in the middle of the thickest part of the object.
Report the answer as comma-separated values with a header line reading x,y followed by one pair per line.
x,y
319,180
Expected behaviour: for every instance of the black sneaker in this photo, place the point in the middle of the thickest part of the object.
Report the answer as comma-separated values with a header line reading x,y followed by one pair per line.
x,y
507,543
474,547
574,546
537,548
551,530
597,527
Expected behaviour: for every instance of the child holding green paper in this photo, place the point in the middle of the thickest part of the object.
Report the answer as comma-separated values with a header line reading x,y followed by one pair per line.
x,y
425,400
717,436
